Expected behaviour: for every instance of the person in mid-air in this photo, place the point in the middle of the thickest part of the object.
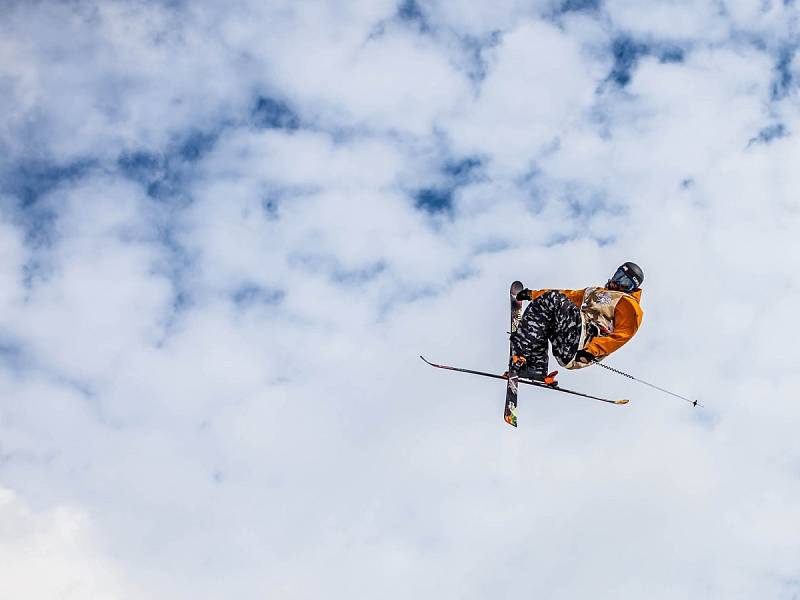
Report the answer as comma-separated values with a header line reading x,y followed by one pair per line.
x,y
583,326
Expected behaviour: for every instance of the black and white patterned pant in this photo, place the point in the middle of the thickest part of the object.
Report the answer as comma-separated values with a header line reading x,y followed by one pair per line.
x,y
550,317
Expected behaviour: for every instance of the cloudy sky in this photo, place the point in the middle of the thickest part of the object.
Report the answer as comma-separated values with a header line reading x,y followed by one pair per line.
x,y
227,231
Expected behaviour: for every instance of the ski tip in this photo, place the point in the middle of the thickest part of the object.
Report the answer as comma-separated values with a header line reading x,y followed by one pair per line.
x,y
511,420
427,362
623,401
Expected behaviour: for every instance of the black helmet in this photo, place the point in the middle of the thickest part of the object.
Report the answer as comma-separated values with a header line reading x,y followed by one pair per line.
x,y
628,277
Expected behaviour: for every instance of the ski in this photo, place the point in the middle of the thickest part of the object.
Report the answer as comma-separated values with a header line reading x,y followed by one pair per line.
x,y
538,384
512,385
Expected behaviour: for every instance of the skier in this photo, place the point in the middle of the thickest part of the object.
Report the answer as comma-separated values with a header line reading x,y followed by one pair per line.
x,y
583,326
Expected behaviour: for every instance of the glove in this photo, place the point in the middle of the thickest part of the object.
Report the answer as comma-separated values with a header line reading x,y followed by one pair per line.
x,y
524,295
584,357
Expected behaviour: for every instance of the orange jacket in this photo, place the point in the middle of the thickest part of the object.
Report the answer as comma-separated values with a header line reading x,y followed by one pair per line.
x,y
627,319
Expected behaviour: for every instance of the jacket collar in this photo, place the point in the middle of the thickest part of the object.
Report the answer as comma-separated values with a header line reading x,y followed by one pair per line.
x,y
636,294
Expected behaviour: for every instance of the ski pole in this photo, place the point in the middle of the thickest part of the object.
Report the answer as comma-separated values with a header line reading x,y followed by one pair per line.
x,y
692,402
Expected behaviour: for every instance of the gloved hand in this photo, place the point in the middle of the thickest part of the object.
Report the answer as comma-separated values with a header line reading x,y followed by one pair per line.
x,y
584,357
524,295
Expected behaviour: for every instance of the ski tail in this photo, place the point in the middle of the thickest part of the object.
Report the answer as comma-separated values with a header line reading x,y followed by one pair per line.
x,y
512,385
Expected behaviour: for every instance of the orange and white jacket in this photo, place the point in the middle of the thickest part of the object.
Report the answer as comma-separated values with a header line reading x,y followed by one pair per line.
x,y
609,318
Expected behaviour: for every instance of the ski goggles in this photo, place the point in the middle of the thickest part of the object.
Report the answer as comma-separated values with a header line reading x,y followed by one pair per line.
x,y
625,282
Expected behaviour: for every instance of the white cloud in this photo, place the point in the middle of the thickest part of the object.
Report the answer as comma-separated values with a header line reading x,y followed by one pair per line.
x,y
482,19
12,257
526,85
99,293
669,19
54,554
212,389
90,77
766,18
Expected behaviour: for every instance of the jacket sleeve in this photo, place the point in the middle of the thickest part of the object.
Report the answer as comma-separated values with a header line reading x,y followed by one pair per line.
x,y
575,296
627,318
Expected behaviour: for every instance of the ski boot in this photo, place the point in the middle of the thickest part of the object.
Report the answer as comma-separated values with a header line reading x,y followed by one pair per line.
x,y
549,379
522,369
515,364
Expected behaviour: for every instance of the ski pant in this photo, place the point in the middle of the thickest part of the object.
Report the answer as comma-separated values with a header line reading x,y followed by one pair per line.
x,y
551,317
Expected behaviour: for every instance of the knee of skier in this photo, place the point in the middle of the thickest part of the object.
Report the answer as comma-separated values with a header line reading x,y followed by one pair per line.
x,y
555,295
548,299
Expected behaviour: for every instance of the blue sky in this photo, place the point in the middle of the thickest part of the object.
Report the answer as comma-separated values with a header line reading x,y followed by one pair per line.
x,y
226,234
